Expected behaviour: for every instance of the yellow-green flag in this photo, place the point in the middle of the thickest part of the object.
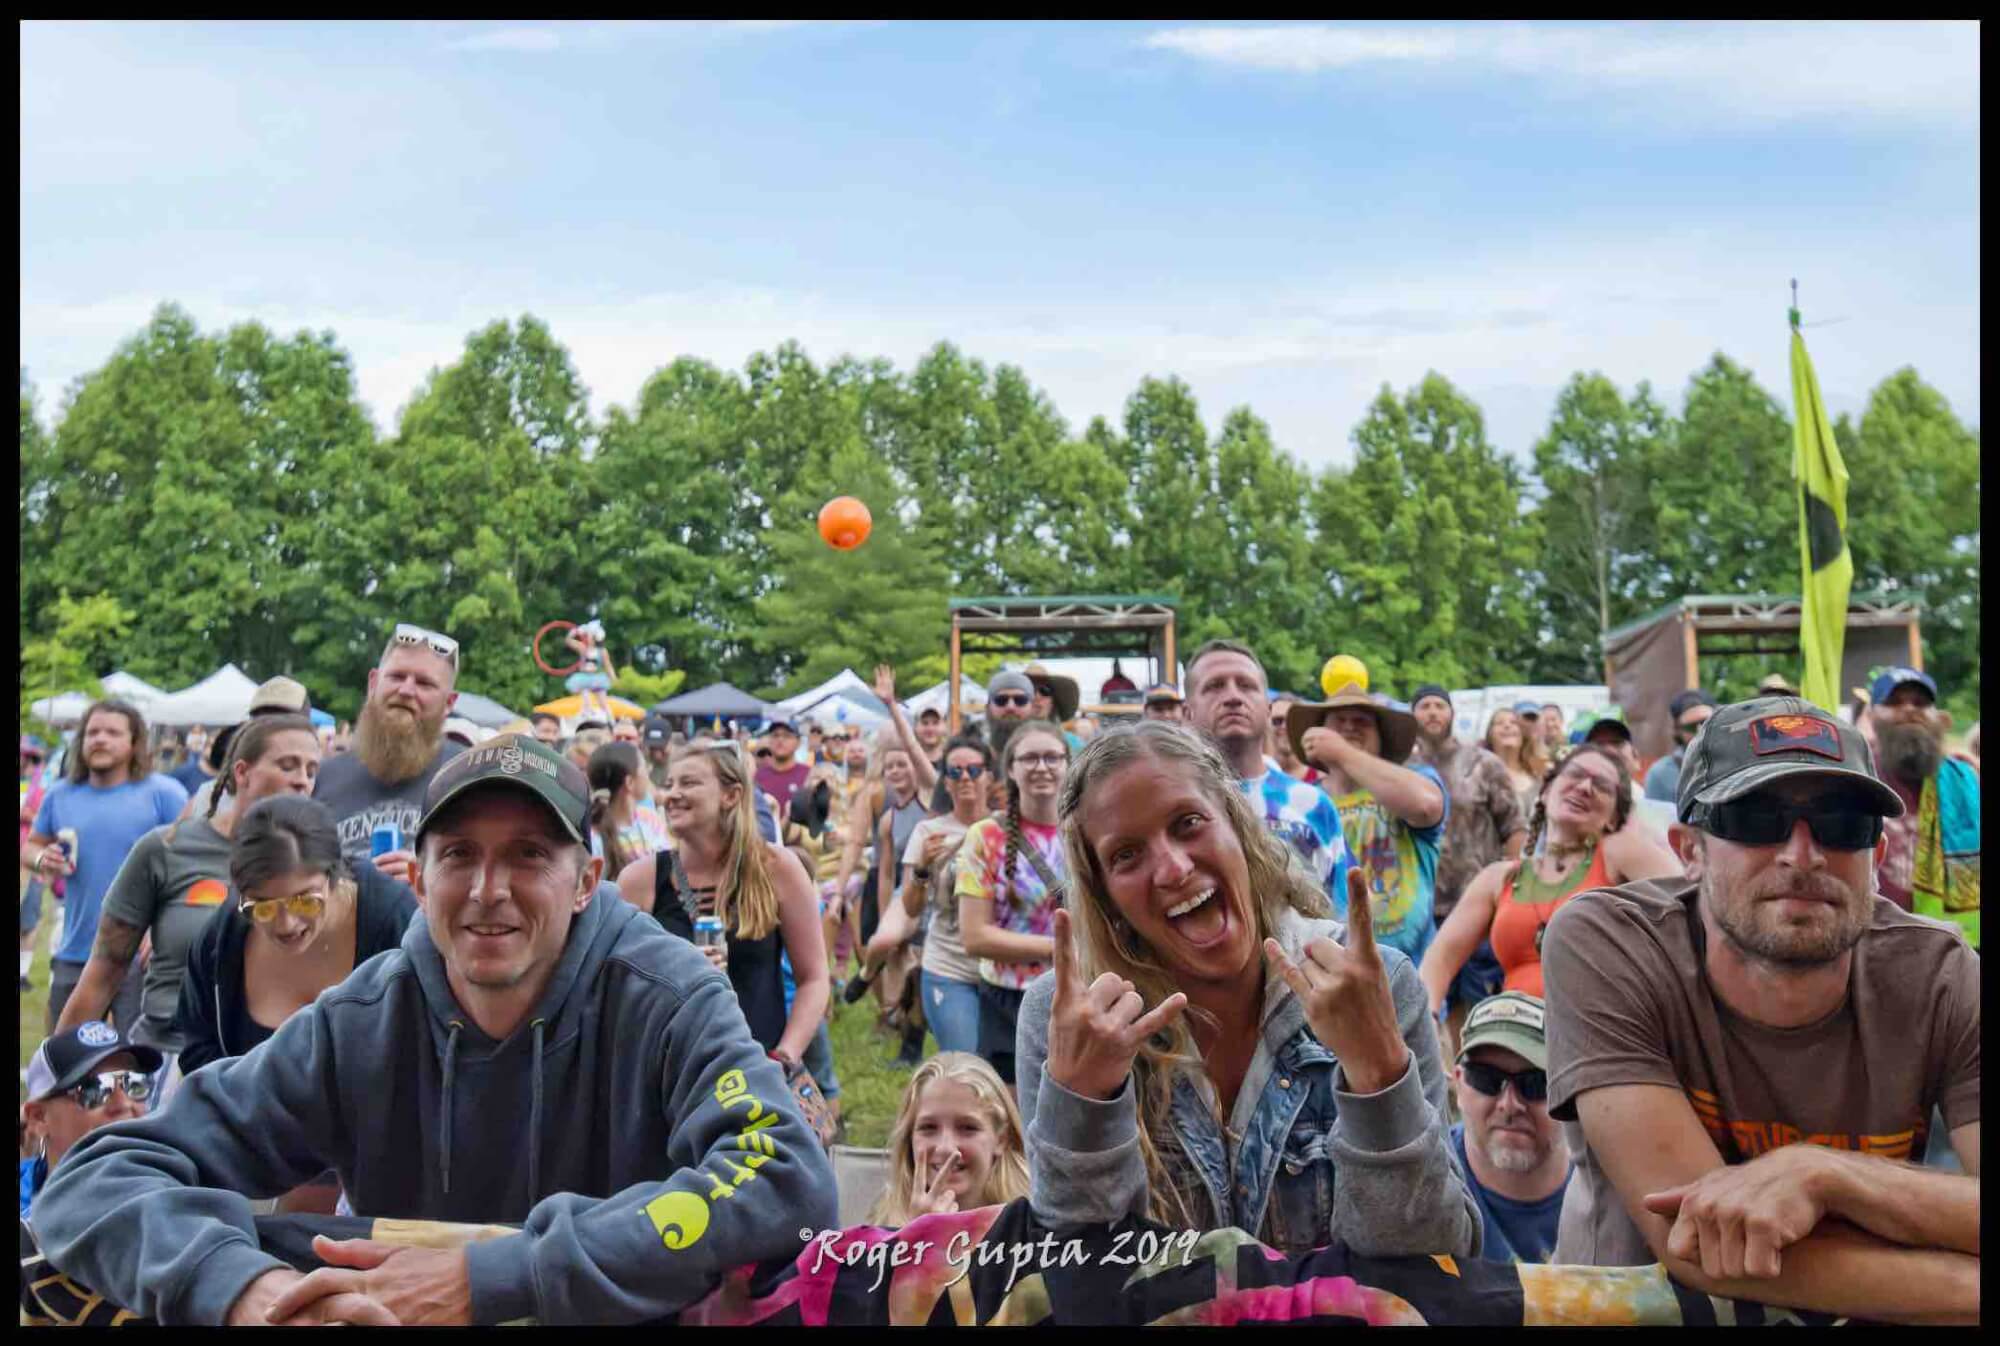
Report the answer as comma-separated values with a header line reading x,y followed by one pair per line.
x,y
1829,570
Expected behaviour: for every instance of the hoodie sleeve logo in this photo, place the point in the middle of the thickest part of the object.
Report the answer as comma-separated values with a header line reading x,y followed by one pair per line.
x,y
679,1218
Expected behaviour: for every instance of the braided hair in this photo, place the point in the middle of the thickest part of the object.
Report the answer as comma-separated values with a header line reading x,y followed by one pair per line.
x,y
1015,842
1621,805
248,742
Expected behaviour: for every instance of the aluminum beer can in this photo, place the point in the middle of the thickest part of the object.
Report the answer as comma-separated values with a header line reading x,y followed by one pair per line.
x,y
385,839
67,840
707,931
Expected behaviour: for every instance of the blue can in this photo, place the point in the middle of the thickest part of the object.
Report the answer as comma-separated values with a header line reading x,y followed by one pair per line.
x,y
385,839
707,931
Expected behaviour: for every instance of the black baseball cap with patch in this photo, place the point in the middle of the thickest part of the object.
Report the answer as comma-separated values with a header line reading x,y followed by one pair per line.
x,y
1749,745
522,762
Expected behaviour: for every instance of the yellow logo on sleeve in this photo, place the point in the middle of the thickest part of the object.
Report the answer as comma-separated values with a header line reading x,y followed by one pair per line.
x,y
679,1218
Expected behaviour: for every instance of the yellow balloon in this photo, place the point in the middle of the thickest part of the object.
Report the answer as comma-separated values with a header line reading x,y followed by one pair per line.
x,y
1341,670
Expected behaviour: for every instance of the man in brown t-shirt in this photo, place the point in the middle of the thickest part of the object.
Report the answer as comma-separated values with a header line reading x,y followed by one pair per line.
x,y
1700,1028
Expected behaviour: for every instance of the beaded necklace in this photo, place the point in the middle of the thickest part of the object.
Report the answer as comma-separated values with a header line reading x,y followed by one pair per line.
x,y
1533,891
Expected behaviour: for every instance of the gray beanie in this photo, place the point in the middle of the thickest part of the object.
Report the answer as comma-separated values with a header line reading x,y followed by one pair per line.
x,y
1007,680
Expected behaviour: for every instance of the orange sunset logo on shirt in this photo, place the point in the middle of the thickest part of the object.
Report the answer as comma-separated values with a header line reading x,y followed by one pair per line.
x,y
207,893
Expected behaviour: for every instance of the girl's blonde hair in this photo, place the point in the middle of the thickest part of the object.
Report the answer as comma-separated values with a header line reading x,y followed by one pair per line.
x,y
1106,941
1008,1177
746,900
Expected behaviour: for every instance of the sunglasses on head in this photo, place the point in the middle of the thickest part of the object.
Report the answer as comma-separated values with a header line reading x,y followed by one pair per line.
x,y
442,646
95,1092
1013,699
1836,824
763,752
973,772
1531,1085
305,906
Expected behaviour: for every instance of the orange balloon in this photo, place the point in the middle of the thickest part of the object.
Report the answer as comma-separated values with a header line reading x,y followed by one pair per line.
x,y
844,523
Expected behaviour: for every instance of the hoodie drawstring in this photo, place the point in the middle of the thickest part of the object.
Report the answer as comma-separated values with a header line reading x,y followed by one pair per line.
x,y
535,1123
450,1064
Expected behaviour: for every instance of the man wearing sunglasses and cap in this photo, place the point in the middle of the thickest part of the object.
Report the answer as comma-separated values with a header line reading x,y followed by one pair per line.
x,y
1508,1146
77,1081
1750,1056
537,1052
399,744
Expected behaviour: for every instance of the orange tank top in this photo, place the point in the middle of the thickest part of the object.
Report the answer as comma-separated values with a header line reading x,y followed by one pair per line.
x,y
1517,926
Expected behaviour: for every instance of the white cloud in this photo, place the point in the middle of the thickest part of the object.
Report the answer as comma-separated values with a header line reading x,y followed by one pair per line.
x,y
1927,71
508,39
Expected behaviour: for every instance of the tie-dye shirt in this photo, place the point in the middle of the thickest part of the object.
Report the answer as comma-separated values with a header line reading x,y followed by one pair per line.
x,y
1306,819
1024,908
1401,864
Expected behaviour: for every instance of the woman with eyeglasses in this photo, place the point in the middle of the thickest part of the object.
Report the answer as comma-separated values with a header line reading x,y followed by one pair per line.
x,y
300,919
78,1080
1011,872
1577,840
177,876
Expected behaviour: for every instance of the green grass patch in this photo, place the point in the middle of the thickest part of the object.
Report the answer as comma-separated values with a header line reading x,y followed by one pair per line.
x,y
871,1084
35,1000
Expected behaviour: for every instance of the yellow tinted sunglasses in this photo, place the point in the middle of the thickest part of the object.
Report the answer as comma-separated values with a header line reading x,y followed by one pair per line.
x,y
305,906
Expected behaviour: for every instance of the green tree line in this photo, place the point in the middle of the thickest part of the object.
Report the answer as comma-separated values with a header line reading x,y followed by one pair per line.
x,y
224,496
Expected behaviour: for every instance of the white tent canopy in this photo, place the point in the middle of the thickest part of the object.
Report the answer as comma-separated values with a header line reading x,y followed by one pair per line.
x,y
845,680
62,710
223,697
843,707
938,698
128,688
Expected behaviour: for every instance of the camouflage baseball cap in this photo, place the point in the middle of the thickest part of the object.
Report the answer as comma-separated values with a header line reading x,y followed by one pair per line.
x,y
519,760
1749,745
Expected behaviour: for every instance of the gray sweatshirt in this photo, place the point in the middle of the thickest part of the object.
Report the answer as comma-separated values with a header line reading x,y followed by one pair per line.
x,y
1386,1157
620,1125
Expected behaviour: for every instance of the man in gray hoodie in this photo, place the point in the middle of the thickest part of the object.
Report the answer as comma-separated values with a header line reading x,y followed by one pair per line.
x,y
536,1052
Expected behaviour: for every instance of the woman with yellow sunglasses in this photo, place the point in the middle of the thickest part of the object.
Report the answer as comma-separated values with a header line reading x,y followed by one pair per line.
x,y
299,919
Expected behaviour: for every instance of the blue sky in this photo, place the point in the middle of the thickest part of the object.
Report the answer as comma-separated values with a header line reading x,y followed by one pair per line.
x,y
1285,216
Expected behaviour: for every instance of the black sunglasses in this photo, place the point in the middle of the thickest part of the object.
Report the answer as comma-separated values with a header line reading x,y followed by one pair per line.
x,y
1837,824
973,772
1012,699
1531,1085
763,752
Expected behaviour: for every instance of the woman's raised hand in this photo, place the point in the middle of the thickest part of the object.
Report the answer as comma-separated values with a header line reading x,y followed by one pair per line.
x,y
1095,1032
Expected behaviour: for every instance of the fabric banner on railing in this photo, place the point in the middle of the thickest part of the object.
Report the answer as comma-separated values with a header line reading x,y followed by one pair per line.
x,y
998,1266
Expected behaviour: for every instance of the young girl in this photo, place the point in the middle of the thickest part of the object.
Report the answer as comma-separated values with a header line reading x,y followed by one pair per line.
x,y
1010,871
956,1144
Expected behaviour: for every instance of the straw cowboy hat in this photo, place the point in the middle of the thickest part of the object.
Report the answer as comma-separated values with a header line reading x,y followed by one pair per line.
x,y
1399,727
1063,690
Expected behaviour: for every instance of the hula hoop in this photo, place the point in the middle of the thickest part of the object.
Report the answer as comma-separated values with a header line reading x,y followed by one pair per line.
x,y
535,649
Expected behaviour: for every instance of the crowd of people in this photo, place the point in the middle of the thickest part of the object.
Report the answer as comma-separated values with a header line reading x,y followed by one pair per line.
x,y
1320,970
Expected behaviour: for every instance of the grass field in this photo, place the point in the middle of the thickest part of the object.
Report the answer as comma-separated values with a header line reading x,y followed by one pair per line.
x,y
871,1086
35,1002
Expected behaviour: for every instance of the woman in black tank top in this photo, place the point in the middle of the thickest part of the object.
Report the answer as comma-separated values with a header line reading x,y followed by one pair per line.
x,y
720,866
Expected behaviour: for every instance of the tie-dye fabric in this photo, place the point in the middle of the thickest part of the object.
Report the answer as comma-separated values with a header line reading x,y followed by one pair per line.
x,y
1306,819
1401,864
998,1266
1022,907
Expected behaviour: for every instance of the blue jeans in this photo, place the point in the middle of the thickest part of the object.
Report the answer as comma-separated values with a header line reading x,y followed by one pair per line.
x,y
952,1010
818,1058
1479,978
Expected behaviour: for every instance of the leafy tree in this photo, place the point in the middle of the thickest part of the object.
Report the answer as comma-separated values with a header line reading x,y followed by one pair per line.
x,y
1595,568
883,602
1913,520
84,634
1422,545
646,688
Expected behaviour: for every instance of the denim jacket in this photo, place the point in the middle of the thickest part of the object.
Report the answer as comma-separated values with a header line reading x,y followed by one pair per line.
x,y
1303,1163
